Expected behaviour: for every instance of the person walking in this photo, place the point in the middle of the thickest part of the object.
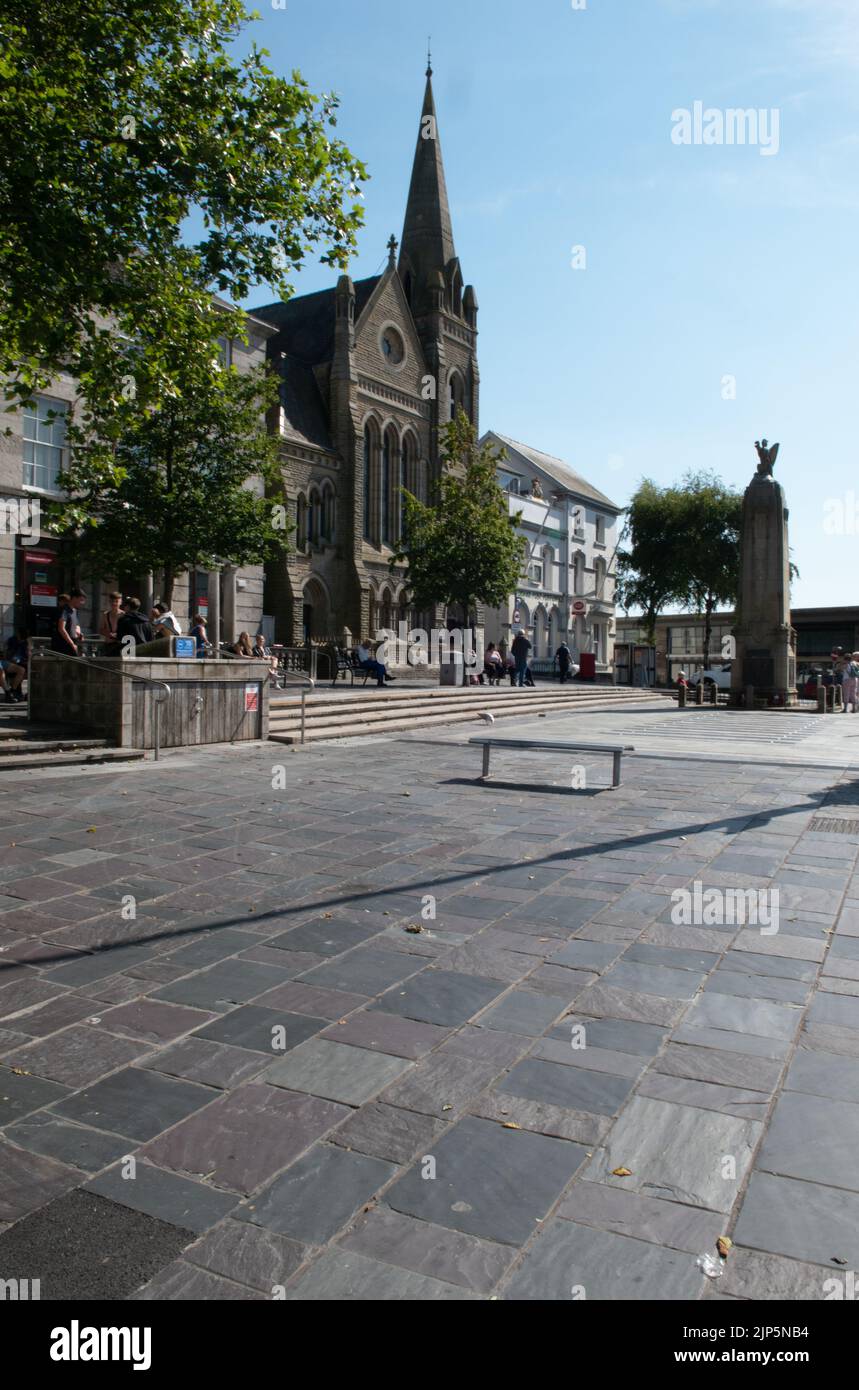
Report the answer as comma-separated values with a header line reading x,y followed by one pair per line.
x,y
564,658
133,629
850,685
521,649
67,636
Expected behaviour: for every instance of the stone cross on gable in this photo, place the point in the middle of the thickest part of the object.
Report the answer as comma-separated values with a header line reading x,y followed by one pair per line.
x,y
392,249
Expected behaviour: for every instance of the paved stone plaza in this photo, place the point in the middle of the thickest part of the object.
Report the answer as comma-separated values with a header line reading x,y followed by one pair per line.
x,y
325,1102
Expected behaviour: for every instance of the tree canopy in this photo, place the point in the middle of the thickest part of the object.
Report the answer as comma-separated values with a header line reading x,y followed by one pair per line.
x,y
462,547
124,127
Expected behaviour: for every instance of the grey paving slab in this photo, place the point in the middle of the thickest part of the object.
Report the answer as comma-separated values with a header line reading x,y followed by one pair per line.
x,y
757,987
490,1182
76,1056
386,1131
587,955
442,1084
335,1071
441,996
368,970
570,1088
209,1063
590,1058
21,1095
600,1265
728,1013
747,962
344,1276
383,1032
771,1278
314,1198
152,1021
246,1137
524,1011
433,1251
136,1103
222,986
86,1247
673,958
653,979
261,1030
613,1034
723,1068
721,1040
580,1126
603,1001
185,1283
728,1100
324,938
248,1254
835,1011
802,1220
170,1198
76,1145
29,1181
813,1137
824,1074
828,1037
666,1223
677,1152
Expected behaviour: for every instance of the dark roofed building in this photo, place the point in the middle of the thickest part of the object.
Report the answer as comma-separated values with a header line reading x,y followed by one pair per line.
x,y
370,371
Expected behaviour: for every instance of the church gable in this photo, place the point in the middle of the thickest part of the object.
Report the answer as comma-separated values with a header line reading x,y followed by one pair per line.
x,y
387,346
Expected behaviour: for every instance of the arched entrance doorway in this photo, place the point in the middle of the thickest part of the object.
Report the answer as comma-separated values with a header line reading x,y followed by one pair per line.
x,y
316,611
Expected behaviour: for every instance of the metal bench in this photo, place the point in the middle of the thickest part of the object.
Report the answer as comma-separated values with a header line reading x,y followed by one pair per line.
x,y
538,745
346,663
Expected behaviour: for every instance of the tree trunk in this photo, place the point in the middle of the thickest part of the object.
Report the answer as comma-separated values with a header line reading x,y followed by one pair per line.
x,y
708,630
167,590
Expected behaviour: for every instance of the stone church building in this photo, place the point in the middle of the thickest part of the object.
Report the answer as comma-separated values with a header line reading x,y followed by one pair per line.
x,y
370,372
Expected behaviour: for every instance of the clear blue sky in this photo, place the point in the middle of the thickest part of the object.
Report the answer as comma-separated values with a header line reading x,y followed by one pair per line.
x,y
702,261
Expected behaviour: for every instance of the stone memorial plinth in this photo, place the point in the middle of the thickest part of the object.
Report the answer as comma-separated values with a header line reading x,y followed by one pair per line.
x,y
765,658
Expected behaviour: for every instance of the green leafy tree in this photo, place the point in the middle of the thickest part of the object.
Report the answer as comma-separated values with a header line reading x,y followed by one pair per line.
x,y
462,548
189,482
123,124
710,555
650,567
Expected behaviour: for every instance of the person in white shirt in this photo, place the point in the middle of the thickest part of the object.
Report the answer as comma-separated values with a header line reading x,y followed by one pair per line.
x,y
367,662
165,622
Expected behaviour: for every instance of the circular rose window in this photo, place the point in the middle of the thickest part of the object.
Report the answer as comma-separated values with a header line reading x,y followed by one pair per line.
x,y
393,348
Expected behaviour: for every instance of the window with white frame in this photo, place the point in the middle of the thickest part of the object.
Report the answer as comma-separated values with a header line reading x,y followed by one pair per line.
x,y
44,442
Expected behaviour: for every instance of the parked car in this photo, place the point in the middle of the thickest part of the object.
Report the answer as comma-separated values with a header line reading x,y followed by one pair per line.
x,y
720,676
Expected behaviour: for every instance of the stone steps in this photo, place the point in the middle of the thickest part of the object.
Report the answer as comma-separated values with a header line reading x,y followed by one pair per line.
x,y
389,712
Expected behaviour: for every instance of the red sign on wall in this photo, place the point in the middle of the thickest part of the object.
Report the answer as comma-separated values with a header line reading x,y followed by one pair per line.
x,y
251,699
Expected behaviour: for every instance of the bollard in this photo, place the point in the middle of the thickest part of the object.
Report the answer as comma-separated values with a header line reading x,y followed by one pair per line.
x,y
750,697
837,697
821,700
699,693
681,697
713,693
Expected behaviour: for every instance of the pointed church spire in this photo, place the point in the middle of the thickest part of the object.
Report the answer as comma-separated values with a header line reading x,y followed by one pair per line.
x,y
427,243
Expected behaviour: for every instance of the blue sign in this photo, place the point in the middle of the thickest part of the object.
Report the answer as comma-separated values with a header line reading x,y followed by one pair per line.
x,y
185,648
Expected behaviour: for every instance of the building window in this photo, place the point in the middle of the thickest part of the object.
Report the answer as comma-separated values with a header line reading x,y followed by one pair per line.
x,y
301,526
456,393
598,652
371,488
600,534
389,453
328,519
44,443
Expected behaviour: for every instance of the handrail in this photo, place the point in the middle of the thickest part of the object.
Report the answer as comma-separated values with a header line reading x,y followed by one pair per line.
x,y
123,675
309,684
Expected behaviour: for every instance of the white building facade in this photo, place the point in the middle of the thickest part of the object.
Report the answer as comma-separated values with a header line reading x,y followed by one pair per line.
x,y
567,588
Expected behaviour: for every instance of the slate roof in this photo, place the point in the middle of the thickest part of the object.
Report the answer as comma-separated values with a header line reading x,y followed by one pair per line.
x,y
566,477
305,336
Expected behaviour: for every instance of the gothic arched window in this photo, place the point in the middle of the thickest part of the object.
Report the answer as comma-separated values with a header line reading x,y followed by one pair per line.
x,y
371,481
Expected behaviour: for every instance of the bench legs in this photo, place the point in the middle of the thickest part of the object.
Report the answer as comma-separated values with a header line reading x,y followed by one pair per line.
x,y
615,780
487,749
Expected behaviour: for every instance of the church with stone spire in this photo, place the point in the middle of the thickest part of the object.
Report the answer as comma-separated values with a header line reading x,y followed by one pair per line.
x,y
370,371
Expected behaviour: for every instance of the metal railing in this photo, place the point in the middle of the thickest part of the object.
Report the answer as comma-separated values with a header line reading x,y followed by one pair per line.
x,y
308,683
157,702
